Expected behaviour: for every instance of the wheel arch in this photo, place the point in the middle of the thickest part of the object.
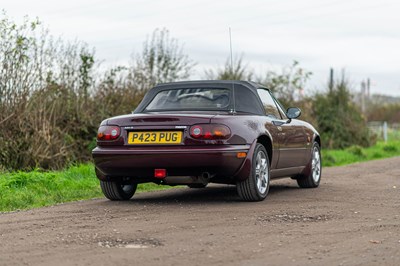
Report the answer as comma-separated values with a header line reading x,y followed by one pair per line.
x,y
267,143
244,171
317,139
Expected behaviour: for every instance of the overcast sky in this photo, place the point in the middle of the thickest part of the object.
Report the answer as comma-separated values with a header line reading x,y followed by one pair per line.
x,y
362,36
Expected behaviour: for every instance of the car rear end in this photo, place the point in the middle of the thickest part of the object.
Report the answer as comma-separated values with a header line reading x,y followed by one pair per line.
x,y
167,148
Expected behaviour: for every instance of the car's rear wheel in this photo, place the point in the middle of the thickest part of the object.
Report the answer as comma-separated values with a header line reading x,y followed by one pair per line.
x,y
256,186
117,190
312,179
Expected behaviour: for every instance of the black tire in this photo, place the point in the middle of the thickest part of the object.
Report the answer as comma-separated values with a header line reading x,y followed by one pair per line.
x,y
256,186
197,185
115,190
313,177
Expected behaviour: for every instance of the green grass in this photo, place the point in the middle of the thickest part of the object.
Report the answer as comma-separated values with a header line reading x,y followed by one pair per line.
x,y
355,154
26,190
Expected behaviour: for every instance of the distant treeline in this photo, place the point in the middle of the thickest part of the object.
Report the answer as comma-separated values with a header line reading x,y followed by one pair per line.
x,y
52,96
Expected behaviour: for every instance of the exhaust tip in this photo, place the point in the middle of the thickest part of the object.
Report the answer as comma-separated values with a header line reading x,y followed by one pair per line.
x,y
206,175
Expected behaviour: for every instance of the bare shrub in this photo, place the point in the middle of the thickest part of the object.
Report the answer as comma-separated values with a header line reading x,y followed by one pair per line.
x,y
120,89
52,100
235,70
117,92
44,88
161,60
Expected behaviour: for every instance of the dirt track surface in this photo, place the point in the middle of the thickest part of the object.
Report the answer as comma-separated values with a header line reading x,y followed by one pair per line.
x,y
353,218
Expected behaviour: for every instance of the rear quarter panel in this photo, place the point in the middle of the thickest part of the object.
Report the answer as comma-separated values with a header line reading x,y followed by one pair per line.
x,y
246,129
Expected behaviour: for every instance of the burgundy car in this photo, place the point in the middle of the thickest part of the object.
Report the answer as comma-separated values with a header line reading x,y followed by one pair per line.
x,y
199,132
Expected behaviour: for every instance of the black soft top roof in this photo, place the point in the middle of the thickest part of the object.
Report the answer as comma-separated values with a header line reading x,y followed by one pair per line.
x,y
243,90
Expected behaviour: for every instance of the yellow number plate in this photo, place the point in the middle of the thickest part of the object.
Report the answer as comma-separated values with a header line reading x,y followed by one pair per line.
x,y
155,137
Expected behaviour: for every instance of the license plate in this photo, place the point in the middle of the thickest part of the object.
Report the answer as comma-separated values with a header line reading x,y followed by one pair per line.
x,y
155,137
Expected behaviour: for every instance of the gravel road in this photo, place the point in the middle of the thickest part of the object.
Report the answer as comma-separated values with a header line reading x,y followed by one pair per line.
x,y
353,218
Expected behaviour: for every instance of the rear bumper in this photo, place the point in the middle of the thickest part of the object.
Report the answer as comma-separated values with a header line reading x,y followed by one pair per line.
x,y
139,163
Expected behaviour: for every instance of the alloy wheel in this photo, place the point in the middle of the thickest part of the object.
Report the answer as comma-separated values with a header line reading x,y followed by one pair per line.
x,y
262,175
316,165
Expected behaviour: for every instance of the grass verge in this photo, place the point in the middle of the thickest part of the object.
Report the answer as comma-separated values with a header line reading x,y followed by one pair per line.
x,y
355,154
26,190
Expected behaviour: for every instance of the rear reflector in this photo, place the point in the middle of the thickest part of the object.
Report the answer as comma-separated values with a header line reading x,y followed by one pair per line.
x,y
160,173
241,155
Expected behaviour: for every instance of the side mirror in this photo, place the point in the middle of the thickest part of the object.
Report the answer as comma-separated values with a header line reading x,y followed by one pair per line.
x,y
293,112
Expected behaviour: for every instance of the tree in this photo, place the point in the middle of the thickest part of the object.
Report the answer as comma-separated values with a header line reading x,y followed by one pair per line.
x,y
339,120
235,70
162,60
288,86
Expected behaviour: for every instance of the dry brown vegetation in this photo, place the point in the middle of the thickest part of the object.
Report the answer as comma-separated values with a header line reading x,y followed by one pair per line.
x,y
52,99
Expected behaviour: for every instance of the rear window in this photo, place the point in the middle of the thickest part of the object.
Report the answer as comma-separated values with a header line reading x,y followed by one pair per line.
x,y
191,99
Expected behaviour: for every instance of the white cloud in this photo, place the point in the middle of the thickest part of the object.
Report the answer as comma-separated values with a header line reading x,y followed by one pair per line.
x,y
361,35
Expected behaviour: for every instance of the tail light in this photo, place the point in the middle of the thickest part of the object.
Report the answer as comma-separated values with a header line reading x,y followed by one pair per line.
x,y
108,133
210,131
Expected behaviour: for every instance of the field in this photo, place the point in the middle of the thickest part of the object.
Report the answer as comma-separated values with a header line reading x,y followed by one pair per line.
x,y
25,190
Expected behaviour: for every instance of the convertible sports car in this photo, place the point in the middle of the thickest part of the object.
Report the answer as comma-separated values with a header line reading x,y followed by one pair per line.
x,y
199,132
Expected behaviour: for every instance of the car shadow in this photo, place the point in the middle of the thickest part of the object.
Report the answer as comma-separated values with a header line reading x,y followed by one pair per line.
x,y
211,194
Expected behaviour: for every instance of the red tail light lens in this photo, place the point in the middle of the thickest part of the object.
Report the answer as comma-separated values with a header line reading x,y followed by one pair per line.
x,y
108,133
210,131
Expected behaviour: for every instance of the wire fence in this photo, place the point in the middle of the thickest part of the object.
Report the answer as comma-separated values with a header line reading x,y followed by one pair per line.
x,y
385,131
